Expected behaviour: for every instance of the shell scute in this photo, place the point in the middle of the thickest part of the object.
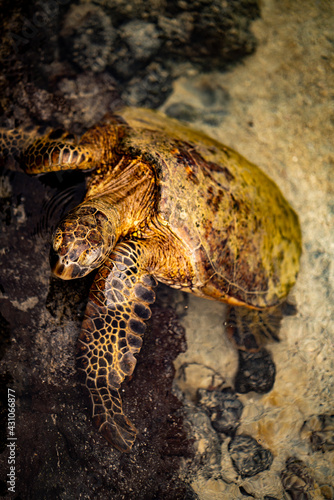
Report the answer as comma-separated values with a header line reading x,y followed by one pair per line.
x,y
242,235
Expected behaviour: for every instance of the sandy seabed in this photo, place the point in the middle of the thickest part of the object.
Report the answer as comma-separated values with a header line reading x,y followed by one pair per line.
x,y
280,116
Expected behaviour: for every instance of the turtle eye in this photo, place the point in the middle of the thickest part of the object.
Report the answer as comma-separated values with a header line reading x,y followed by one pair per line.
x,y
81,243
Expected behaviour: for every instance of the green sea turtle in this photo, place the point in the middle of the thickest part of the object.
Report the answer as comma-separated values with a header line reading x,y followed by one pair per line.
x,y
163,203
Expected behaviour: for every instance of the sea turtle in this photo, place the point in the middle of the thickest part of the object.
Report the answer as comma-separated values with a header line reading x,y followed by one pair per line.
x,y
163,203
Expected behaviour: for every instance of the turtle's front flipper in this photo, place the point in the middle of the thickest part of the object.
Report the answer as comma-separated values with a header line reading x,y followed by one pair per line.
x,y
57,150
52,153
14,141
251,329
112,333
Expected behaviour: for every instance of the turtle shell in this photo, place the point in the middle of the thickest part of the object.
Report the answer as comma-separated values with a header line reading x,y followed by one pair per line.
x,y
242,236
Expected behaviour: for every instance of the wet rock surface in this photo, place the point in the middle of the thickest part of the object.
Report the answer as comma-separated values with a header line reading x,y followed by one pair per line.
x,y
70,64
249,457
224,409
59,454
139,47
288,394
67,65
256,372
319,431
297,480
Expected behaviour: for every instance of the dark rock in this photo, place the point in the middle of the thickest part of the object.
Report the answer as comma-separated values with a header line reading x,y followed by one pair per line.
x,y
123,10
77,103
248,456
176,29
88,37
297,480
46,42
224,409
209,33
59,453
223,26
182,111
319,429
142,38
245,493
207,443
256,372
5,333
149,88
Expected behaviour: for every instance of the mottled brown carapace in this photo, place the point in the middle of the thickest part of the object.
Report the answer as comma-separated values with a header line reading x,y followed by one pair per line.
x,y
163,203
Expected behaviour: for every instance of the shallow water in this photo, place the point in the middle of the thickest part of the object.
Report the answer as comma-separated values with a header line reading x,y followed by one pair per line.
x,y
279,116
274,107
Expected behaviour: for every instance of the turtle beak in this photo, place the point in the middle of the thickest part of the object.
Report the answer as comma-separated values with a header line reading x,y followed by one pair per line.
x,y
81,242
63,270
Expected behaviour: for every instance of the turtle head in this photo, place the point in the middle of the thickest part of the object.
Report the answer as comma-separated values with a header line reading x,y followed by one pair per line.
x,y
81,242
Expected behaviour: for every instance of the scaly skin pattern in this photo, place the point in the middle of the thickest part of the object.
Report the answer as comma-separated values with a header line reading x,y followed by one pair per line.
x,y
57,150
163,203
83,240
112,333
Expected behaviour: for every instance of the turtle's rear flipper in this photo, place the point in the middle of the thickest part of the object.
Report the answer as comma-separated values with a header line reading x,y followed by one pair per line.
x,y
251,329
111,334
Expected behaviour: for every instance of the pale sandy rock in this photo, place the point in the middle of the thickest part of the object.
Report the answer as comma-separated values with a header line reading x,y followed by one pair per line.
x,y
279,116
